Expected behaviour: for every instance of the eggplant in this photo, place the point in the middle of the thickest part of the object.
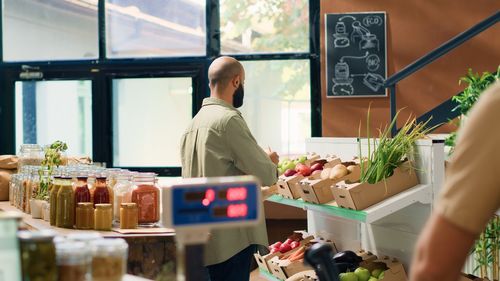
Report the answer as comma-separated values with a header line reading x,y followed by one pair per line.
x,y
347,257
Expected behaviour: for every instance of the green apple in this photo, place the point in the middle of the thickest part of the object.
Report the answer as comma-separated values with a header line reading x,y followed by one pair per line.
x,y
376,272
373,279
362,273
302,159
281,170
348,276
381,276
289,165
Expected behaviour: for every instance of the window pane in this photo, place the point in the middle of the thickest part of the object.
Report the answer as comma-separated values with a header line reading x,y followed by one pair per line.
x,y
55,110
255,26
277,104
137,28
149,118
36,30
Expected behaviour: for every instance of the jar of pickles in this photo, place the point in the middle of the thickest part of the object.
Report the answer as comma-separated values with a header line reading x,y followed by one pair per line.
x,y
103,217
109,259
84,218
128,216
122,193
146,194
38,255
65,212
73,263
56,184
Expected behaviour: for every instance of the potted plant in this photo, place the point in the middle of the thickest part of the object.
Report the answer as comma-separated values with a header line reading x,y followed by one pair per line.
x,y
476,84
53,158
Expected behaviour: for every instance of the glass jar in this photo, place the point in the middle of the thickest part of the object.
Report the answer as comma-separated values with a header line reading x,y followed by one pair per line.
x,y
73,263
84,218
82,193
30,154
65,212
101,192
128,216
38,256
56,185
103,217
109,259
122,193
146,195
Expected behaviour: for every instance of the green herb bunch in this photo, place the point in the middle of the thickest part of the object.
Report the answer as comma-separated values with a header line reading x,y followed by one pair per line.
x,y
388,153
51,160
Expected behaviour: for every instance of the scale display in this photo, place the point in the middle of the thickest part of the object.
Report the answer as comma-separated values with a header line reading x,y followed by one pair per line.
x,y
214,203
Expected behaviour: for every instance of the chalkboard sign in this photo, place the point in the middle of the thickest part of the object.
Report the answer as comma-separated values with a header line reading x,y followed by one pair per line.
x,y
356,63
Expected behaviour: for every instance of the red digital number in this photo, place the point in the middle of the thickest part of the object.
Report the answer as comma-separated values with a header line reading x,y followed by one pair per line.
x,y
236,194
237,210
209,197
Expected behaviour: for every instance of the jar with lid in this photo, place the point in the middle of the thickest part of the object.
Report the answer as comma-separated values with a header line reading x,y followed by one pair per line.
x,y
101,192
122,193
84,218
146,194
103,217
38,255
56,185
82,193
65,212
30,154
73,262
109,259
128,215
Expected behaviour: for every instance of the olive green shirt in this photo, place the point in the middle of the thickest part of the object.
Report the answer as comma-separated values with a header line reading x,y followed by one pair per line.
x,y
218,143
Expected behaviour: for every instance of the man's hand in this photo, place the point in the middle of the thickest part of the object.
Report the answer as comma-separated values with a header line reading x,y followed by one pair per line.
x,y
273,155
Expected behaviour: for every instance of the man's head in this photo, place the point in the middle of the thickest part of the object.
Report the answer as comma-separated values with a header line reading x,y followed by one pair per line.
x,y
227,76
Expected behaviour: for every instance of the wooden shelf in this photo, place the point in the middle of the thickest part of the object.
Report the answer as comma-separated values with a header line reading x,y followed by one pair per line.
x,y
39,224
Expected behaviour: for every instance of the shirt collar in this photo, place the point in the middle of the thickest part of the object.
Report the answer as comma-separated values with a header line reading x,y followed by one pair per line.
x,y
216,101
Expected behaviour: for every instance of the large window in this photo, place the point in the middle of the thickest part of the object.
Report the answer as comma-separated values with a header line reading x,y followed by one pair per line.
x,y
149,117
119,80
138,28
55,110
36,30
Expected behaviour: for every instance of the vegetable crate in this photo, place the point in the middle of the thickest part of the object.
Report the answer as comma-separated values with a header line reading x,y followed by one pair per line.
x,y
288,186
319,191
359,196
393,269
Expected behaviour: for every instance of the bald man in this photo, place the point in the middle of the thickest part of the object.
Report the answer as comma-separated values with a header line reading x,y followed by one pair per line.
x,y
218,143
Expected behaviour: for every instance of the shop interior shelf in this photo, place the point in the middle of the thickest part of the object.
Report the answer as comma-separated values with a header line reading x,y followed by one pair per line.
x,y
418,193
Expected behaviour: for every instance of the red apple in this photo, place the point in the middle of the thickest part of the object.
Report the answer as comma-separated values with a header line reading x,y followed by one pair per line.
x,y
317,167
274,250
276,245
303,170
287,241
285,248
289,173
294,244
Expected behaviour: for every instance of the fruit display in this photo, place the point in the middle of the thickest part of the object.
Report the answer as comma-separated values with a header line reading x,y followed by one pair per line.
x,y
290,243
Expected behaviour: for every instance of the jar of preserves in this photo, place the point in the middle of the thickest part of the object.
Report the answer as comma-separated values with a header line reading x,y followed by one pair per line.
x,y
103,217
56,184
65,212
84,218
38,255
73,262
109,259
122,193
82,193
101,192
30,154
146,194
128,216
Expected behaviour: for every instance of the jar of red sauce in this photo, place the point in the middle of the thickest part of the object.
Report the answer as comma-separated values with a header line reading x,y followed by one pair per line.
x,y
146,194
101,191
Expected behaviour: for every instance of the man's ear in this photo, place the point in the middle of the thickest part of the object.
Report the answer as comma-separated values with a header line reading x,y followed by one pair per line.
x,y
236,81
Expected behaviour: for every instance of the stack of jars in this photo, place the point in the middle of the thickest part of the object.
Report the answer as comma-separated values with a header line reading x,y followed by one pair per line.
x,y
44,257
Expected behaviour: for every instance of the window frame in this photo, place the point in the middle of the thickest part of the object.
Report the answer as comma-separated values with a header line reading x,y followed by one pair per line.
x,y
102,70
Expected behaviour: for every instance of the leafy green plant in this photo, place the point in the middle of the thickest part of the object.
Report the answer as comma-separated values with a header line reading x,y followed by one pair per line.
x,y
51,160
487,250
389,153
476,84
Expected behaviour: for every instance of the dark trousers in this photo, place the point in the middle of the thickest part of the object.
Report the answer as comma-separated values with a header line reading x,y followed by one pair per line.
x,y
237,268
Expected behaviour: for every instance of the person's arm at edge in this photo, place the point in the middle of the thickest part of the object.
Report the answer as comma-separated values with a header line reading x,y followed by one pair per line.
x,y
249,157
441,251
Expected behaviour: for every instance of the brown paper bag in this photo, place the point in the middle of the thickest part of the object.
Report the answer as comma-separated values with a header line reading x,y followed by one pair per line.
x,y
8,162
4,183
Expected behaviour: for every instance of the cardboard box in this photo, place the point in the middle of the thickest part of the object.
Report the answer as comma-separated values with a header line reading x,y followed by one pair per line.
x,y
311,158
283,269
394,270
308,275
263,261
359,196
288,186
320,191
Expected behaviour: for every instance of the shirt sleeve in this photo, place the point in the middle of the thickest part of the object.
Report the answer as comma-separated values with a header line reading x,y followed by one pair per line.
x,y
471,193
247,155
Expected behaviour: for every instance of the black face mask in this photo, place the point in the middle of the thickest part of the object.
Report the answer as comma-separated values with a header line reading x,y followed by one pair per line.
x,y
238,97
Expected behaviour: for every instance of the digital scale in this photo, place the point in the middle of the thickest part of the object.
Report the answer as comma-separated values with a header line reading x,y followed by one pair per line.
x,y
195,206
